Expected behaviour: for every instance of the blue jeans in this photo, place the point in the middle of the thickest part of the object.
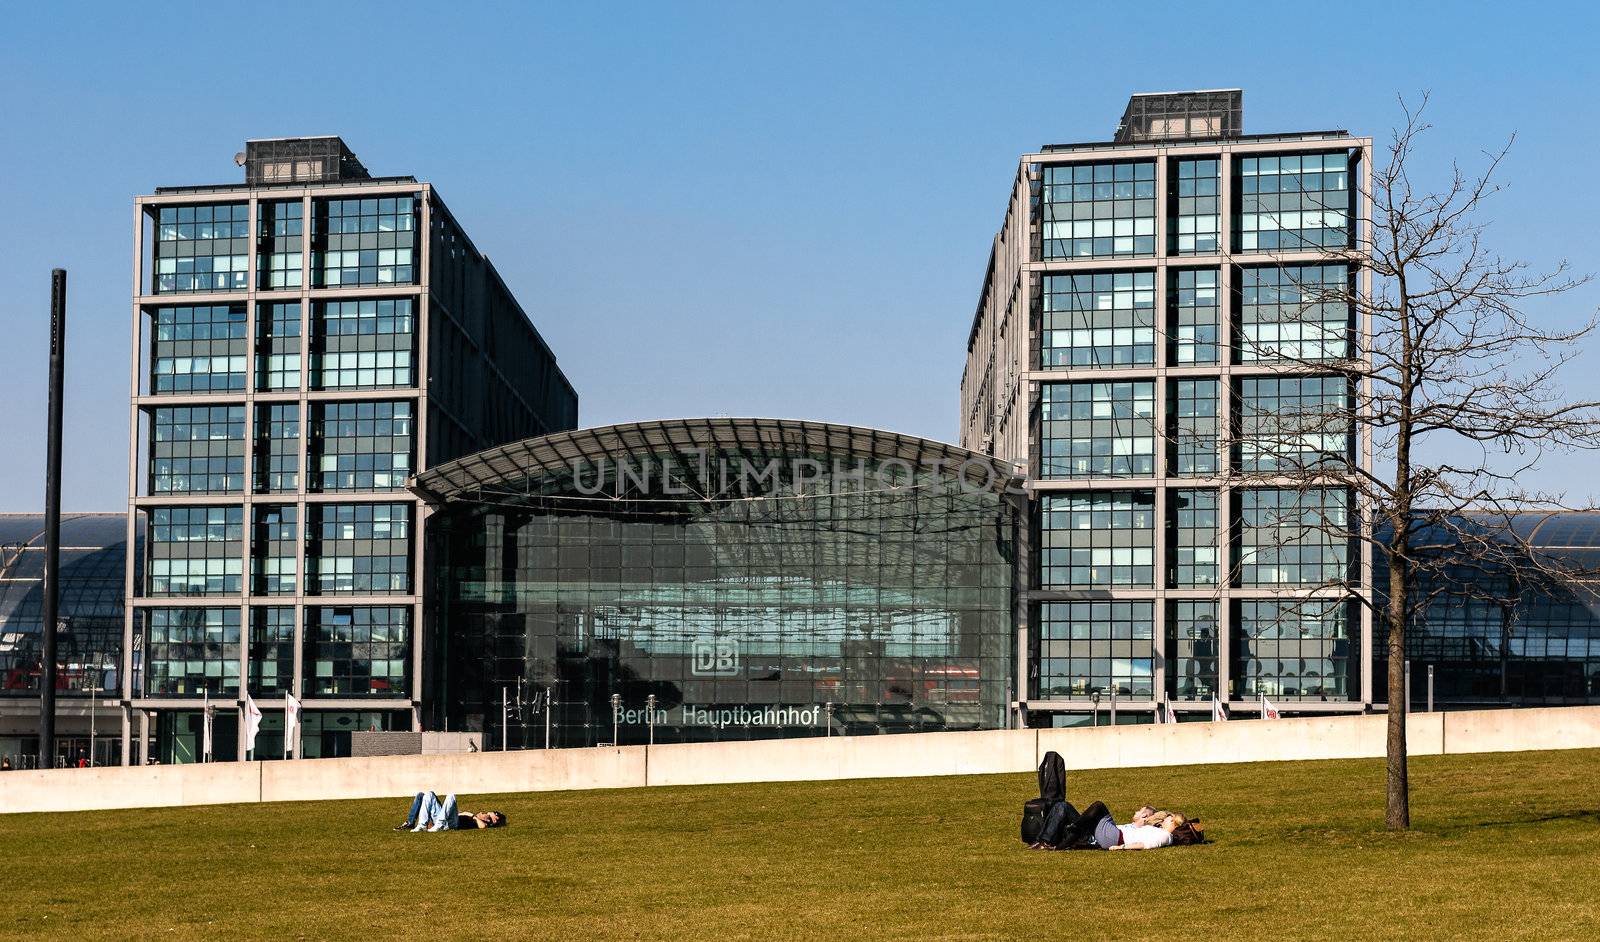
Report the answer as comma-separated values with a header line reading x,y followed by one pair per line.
x,y
427,810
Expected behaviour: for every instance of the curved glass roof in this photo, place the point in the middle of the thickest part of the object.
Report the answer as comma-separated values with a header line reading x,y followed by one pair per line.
x,y
549,454
93,554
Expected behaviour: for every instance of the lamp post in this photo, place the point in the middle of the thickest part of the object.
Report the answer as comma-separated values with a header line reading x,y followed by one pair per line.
x,y
1096,698
828,717
616,712
93,688
52,520
650,714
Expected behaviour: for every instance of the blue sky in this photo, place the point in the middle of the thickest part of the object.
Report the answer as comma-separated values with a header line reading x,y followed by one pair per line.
x,y
716,209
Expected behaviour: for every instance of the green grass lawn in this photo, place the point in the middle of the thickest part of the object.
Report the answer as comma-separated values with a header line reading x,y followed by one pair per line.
x,y
1504,847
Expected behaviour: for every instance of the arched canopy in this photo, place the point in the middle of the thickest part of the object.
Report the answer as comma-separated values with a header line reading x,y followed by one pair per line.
x,y
551,454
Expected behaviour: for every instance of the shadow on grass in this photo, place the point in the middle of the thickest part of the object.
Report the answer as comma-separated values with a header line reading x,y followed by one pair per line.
x,y
1589,815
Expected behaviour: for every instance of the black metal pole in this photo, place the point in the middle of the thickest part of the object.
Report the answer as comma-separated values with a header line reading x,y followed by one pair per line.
x,y
52,522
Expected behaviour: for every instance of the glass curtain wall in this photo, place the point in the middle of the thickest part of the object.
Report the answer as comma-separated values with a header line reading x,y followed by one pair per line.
x,y
775,610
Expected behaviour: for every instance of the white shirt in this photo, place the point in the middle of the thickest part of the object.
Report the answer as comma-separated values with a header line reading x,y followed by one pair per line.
x,y
1147,835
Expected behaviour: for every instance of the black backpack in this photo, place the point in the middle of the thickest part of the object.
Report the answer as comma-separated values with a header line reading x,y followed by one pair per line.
x,y
1052,792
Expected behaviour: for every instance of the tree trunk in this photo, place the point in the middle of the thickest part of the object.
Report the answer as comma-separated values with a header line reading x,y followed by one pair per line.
x,y
1397,813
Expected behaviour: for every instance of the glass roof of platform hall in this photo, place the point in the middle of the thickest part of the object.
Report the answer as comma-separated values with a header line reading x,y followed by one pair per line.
x,y
550,454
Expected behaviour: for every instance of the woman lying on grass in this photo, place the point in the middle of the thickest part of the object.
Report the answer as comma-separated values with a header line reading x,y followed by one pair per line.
x,y
1095,829
428,813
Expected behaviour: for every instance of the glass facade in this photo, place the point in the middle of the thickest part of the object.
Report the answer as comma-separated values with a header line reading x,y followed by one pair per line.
x,y
1292,537
1492,641
1295,312
1192,546
190,651
278,346
195,551
1194,207
198,349
272,550
358,548
1100,319
1293,202
1296,649
279,263
180,736
1193,648
1097,539
1288,423
1193,428
359,651
271,655
202,248
779,605
1103,210
1193,313
1097,430
1090,647
366,344
197,450
277,455
365,241
361,446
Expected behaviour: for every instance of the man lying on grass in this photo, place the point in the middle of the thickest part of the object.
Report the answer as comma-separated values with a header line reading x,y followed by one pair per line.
x,y
428,813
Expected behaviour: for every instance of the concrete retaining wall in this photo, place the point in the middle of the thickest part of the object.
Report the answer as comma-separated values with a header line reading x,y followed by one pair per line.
x,y
1332,737
375,743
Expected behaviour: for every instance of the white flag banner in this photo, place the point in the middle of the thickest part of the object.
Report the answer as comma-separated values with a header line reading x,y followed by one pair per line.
x,y
1268,711
1219,713
207,718
252,723
291,725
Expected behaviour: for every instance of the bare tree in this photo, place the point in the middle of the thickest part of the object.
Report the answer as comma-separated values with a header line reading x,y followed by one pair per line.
x,y
1457,385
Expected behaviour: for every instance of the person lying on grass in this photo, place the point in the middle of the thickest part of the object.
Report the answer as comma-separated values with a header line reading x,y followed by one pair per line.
x,y
428,813
1095,829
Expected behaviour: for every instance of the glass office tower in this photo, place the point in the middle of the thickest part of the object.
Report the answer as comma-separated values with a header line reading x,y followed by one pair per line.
x,y
714,579
304,342
1153,307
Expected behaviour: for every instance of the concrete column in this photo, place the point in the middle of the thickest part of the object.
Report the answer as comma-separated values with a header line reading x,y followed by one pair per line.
x,y
136,346
127,734
1023,580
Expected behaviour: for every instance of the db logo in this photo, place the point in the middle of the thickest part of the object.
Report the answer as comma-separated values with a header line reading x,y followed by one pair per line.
x,y
715,658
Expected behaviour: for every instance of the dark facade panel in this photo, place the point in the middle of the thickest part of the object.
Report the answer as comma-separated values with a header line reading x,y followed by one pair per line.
x,y
491,376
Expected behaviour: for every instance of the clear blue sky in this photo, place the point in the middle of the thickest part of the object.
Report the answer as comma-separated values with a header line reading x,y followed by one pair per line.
x,y
714,208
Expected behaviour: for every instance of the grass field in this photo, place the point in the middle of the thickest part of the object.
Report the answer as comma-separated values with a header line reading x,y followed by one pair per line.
x,y
1505,847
